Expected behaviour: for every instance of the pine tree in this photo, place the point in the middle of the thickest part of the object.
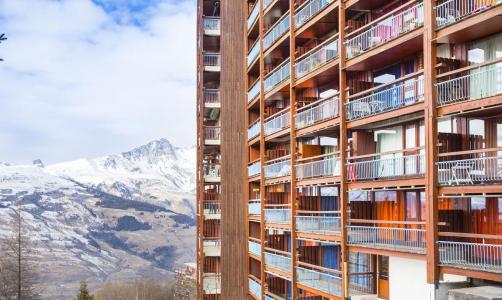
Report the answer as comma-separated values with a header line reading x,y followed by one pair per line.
x,y
83,293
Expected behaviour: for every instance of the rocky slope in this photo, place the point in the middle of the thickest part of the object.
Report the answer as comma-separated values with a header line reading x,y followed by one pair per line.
x,y
118,217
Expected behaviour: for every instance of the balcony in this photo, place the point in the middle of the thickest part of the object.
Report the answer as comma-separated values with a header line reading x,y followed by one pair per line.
x,y
254,248
310,9
278,168
485,167
212,210
254,169
254,91
212,248
453,11
394,95
212,284
255,12
254,52
468,255
319,222
254,208
327,282
212,135
327,165
469,84
212,98
212,62
380,31
277,76
317,112
277,31
255,288
212,26
390,238
386,165
212,173
266,3
317,57
278,215
277,122
281,262
254,130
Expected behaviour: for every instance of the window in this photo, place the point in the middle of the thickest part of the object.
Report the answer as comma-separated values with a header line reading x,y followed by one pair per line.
x,y
411,206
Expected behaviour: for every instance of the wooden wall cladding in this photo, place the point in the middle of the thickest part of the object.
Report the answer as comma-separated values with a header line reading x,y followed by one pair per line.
x,y
233,141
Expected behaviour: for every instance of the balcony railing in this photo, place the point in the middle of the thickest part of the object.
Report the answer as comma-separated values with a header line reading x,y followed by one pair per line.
x,y
212,208
212,60
254,52
266,3
254,14
277,76
317,57
323,166
477,256
482,82
322,281
254,169
485,168
310,9
255,288
212,248
277,31
390,165
254,91
327,223
278,169
360,283
254,208
254,248
212,172
277,122
452,11
254,130
386,98
385,30
277,261
317,112
212,133
406,239
212,25
211,96
212,283
278,215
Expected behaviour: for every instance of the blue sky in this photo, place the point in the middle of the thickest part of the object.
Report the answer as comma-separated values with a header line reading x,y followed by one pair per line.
x,y
86,78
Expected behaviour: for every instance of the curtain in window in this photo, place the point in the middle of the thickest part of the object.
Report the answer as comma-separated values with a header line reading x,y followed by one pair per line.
x,y
486,81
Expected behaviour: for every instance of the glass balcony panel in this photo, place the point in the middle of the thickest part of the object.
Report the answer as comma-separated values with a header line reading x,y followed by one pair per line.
x,y
278,169
320,57
254,169
253,54
254,91
322,111
212,25
312,8
385,99
278,216
254,14
277,261
322,281
326,166
255,248
477,256
406,239
328,225
211,96
480,83
254,208
277,76
452,11
254,130
278,30
393,165
277,123
386,30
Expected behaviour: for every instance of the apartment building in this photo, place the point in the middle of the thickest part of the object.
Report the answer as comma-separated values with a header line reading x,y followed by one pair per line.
x,y
221,146
374,148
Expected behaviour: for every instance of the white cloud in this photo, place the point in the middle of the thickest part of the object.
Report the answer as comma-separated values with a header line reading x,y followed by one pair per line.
x,y
78,81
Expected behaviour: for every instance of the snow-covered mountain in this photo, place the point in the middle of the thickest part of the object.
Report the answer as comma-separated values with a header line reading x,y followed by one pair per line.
x,y
118,217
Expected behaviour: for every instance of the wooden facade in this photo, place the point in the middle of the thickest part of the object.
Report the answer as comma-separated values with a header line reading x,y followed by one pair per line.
x,y
373,131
